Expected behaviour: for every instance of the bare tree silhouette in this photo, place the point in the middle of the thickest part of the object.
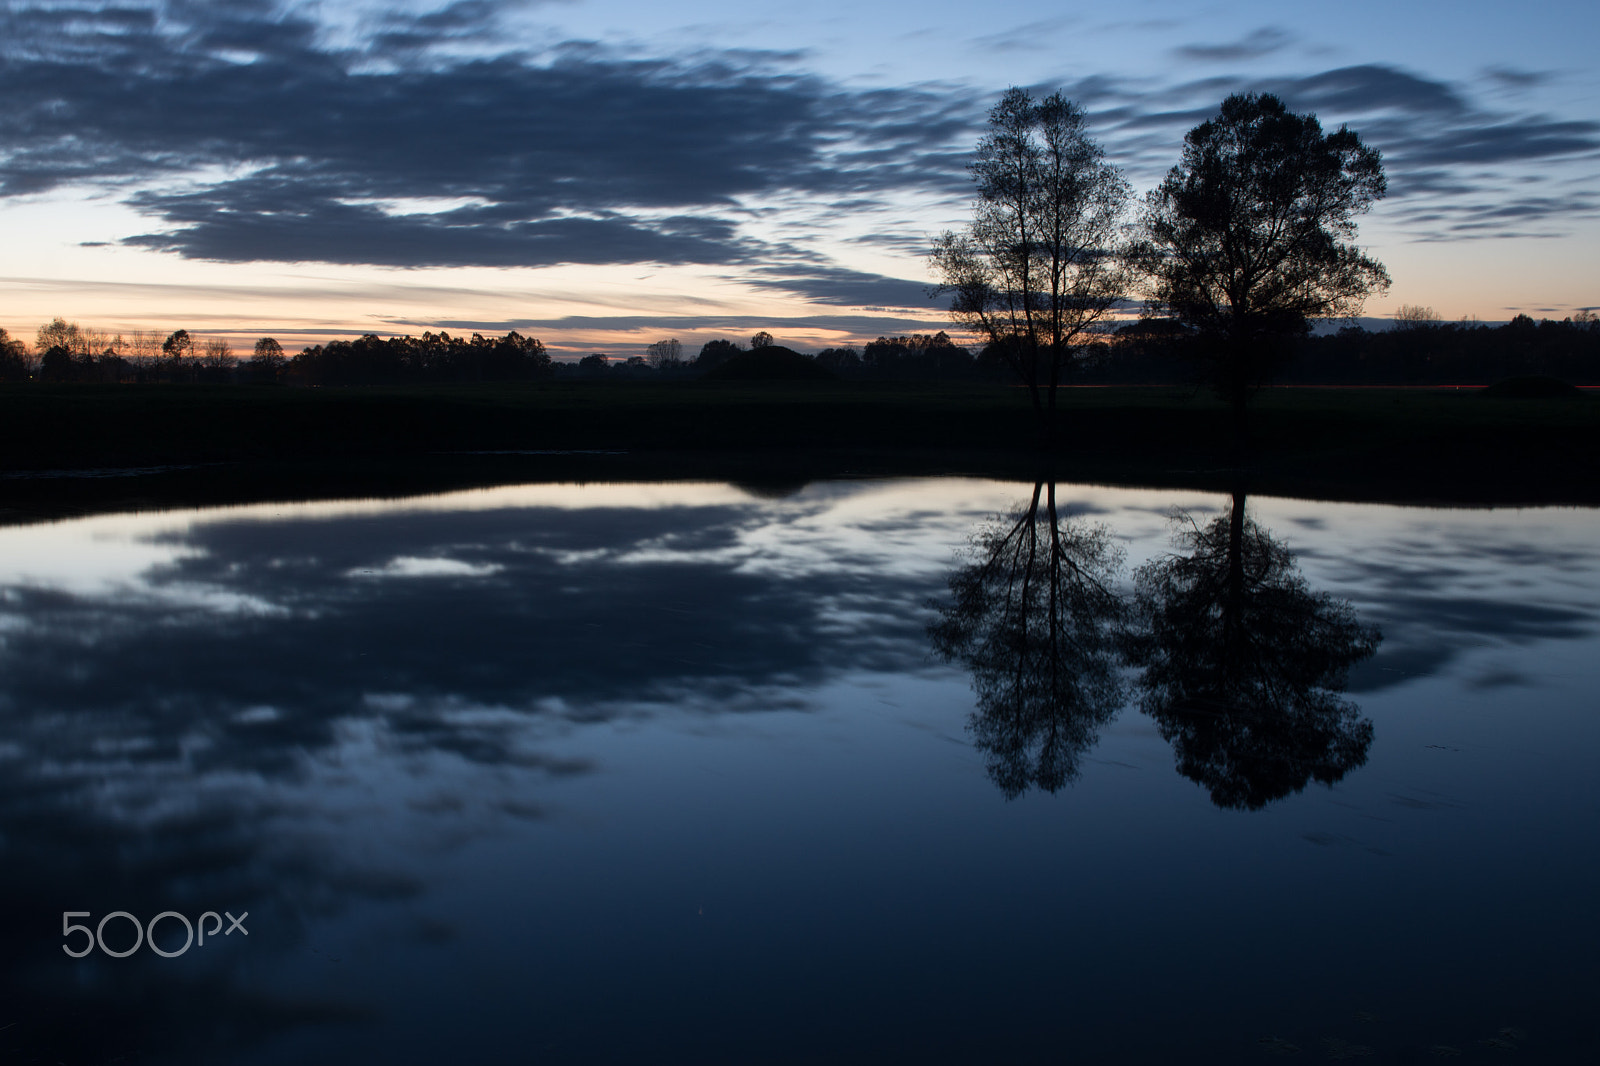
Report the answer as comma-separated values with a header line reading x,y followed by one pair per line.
x,y
1040,264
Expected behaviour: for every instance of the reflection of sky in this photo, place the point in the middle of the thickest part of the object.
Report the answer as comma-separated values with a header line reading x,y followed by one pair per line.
x,y
1441,582
569,744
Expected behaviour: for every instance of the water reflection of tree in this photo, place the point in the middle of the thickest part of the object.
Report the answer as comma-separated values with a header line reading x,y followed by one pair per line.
x,y
1034,618
1242,664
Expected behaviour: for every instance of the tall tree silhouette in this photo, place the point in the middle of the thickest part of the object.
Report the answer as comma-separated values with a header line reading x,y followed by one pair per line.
x,y
1034,617
1243,664
1249,237
1041,262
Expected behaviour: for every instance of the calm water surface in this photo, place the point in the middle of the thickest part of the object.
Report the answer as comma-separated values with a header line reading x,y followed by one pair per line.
x,y
872,771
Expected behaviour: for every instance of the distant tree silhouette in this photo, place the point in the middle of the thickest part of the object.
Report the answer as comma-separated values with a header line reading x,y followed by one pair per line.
x,y
761,340
141,348
1248,237
13,358
56,364
59,333
267,362
1040,264
216,359
1034,618
1242,664
665,355
177,347
715,353
916,356
1450,353
69,352
432,357
72,338
771,362
593,365
1414,316
842,361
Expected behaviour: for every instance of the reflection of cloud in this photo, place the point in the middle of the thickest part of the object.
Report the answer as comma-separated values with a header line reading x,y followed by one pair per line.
x,y
1492,617
1502,677
730,590
155,753
1440,589
416,566
411,715
1429,631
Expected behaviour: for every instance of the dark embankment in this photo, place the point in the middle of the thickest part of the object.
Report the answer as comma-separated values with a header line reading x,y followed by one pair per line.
x,y
240,443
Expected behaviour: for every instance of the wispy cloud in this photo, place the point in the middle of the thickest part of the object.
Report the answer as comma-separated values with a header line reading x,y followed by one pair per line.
x,y
1442,146
1262,42
842,287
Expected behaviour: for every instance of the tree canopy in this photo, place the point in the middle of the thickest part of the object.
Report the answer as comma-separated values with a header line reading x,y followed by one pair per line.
x,y
1249,236
1242,664
1040,263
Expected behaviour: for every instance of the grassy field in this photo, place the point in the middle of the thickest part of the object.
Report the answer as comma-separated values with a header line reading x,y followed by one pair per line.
x,y
1422,445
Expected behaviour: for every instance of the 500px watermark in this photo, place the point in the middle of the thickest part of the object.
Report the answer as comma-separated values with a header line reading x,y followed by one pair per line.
x,y
145,934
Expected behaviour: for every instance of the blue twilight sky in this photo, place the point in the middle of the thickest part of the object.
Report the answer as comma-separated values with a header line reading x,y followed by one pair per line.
x,y
605,173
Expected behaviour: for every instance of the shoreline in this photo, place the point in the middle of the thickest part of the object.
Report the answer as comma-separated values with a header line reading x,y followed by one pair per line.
x,y
82,449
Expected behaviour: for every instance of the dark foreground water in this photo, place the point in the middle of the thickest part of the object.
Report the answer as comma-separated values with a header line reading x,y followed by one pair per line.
x,y
681,773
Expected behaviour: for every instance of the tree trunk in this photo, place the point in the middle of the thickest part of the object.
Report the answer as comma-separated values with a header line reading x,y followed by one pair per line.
x,y
1241,425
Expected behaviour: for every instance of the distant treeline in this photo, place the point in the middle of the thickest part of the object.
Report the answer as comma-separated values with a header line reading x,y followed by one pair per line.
x,y
65,351
1420,350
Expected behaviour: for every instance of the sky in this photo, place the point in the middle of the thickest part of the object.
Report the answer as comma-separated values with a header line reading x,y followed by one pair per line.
x,y
602,174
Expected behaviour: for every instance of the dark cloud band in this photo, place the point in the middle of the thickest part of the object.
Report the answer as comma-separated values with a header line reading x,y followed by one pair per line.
x,y
580,154
573,157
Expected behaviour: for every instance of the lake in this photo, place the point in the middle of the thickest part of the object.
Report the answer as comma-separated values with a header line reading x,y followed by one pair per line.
x,y
924,770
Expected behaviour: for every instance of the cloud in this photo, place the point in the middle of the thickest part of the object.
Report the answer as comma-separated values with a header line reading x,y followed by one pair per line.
x,y
244,133
1443,148
1372,87
843,287
1511,78
268,220
1029,37
579,155
464,20
1504,142
1263,42
732,325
